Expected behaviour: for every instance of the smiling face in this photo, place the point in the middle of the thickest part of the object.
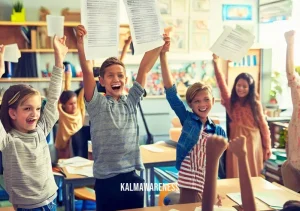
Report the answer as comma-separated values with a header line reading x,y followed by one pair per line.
x,y
27,114
202,103
242,88
114,80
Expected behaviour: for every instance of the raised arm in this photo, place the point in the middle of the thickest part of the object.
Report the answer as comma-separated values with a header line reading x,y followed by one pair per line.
x,y
147,63
215,146
2,66
224,91
89,82
50,112
68,76
289,37
125,49
171,92
238,147
165,71
264,131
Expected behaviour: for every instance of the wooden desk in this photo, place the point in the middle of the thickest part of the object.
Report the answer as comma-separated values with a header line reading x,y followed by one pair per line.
x,y
232,186
70,182
7,209
156,159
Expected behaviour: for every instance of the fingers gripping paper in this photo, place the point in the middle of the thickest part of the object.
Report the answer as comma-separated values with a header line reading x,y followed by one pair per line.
x,y
233,44
145,25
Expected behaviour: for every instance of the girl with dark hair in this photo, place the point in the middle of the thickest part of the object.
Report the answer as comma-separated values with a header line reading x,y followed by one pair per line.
x,y
71,118
246,114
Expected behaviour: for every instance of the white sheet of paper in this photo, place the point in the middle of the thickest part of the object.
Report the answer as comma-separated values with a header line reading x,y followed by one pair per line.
x,y
152,148
101,20
271,198
216,208
75,162
86,171
55,25
237,198
233,44
145,25
12,53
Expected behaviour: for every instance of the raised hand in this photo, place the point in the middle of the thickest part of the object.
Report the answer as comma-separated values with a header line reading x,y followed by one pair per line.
x,y
128,41
166,46
215,58
60,50
238,146
215,146
80,33
289,36
2,67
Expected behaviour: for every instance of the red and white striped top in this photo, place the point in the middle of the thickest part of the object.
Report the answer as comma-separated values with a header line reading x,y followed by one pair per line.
x,y
192,170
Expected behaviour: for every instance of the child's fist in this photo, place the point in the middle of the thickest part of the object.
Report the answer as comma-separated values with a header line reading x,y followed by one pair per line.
x,y
166,46
238,146
215,146
60,50
289,36
80,33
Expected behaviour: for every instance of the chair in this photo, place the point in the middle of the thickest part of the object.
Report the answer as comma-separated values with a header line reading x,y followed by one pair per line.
x,y
166,190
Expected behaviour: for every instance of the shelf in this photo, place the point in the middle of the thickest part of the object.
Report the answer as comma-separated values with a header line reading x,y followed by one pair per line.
x,y
44,50
9,80
44,23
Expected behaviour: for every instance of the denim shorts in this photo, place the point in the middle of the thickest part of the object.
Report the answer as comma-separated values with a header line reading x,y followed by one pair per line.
x,y
49,207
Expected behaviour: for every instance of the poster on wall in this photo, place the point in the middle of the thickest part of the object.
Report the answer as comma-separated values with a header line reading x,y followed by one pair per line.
x,y
200,5
164,7
236,12
280,10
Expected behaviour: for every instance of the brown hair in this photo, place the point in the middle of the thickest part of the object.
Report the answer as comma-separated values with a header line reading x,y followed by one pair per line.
x,y
66,96
108,62
12,98
193,90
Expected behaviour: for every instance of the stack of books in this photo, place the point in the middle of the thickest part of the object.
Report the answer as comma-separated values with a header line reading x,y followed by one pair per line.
x,y
272,168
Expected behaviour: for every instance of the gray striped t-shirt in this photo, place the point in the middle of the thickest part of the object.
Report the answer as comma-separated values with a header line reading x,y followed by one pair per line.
x,y
114,133
28,175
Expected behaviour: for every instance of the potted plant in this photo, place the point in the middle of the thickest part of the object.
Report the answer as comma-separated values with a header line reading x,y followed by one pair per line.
x,y
275,87
18,14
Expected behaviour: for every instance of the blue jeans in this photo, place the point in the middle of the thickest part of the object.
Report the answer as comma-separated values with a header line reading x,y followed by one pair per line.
x,y
49,207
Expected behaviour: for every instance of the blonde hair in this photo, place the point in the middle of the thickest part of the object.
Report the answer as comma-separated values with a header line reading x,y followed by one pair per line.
x,y
13,97
193,90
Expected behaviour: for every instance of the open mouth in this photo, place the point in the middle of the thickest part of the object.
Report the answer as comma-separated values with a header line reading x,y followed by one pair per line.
x,y
202,109
116,87
30,121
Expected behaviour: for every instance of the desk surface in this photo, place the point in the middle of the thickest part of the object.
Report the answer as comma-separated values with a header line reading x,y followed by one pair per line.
x,y
149,157
232,186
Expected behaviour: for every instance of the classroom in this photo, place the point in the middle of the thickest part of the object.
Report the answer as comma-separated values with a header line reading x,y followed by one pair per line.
x,y
149,105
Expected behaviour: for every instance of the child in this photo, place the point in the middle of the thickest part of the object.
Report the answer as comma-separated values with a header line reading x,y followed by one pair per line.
x,y
114,128
71,119
196,127
291,168
247,118
28,173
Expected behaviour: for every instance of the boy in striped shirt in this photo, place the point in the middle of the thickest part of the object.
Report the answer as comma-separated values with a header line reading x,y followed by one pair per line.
x,y
196,127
